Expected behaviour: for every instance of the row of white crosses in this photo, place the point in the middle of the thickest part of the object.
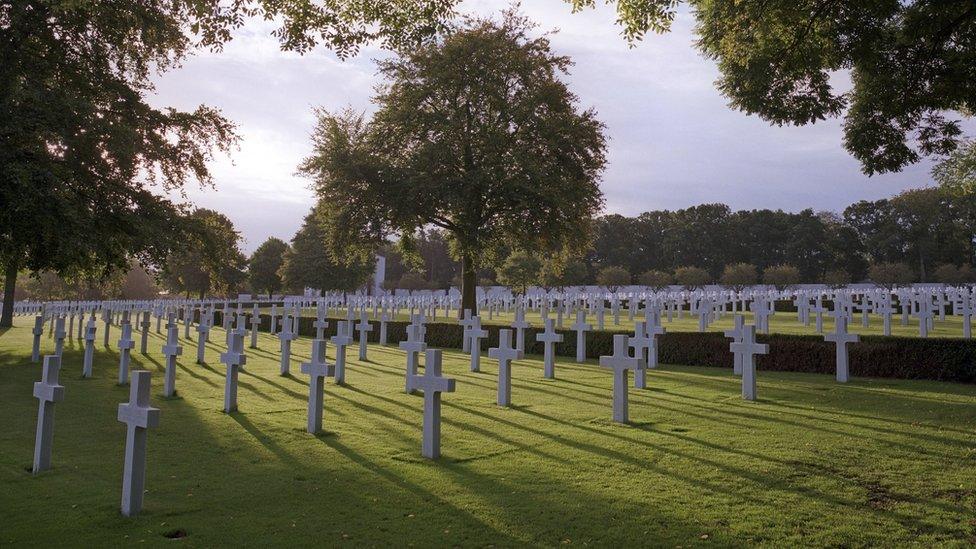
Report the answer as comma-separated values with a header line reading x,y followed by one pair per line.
x,y
925,303
744,348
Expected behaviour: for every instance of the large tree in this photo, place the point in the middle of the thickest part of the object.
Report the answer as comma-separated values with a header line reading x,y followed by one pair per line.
x,y
80,149
209,260
308,263
264,266
519,270
475,134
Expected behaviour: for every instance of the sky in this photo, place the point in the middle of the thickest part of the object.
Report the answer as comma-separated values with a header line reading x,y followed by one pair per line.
x,y
673,140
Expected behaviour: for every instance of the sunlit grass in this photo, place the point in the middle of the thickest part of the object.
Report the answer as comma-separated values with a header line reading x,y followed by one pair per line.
x,y
873,462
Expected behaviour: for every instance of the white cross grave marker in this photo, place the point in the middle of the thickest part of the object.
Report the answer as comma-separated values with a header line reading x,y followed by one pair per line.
x,y
520,326
317,369
144,336
549,338
285,337
640,342
171,350
620,362
37,332
841,338
465,323
413,345
364,328
475,334
86,370
581,327
736,333
341,340
432,384
59,335
138,417
748,349
125,350
505,354
203,334
47,392
233,359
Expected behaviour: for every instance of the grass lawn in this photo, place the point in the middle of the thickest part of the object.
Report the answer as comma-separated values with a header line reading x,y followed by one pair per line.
x,y
873,462
780,323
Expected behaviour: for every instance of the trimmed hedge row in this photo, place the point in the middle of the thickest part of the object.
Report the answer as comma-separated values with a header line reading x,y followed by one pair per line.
x,y
939,359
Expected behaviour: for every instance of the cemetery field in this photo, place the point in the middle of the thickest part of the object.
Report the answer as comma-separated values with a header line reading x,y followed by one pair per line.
x,y
780,323
812,462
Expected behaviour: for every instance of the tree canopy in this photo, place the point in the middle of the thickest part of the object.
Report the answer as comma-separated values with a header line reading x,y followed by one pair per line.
x,y
475,134
308,264
80,147
519,270
264,266
912,64
209,259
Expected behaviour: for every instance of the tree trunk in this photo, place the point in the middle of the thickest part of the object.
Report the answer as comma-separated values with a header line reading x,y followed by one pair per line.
x,y
469,282
921,266
10,284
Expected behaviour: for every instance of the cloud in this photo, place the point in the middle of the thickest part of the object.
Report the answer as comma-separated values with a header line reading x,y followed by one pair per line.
x,y
674,142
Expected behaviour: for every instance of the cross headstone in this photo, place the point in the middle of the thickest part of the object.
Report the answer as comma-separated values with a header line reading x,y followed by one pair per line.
x,y
255,322
187,321
138,417
520,326
581,327
364,328
640,342
736,333
886,311
171,350
841,338
465,323
505,354
37,332
620,362
925,316
341,340
549,338
203,334
86,370
286,336
320,323
125,350
144,336
413,346
233,359
384,319
432,384
317,369
59,335
107,319
748,349
967,308
48,392
654,329
475,334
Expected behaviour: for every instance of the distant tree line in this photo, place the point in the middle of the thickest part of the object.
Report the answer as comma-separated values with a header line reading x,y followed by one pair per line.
x,y
920,235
